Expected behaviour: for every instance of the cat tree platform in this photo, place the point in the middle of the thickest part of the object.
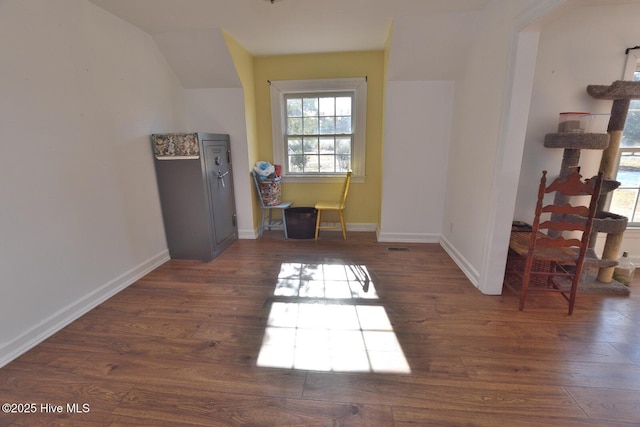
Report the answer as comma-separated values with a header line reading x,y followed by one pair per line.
x,y
620,89
577,141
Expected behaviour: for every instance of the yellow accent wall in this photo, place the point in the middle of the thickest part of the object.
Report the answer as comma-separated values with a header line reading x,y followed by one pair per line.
x,y
363,204
244,63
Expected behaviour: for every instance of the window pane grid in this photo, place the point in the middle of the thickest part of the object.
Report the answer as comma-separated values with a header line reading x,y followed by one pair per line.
x,y
624,200
319,133
318,155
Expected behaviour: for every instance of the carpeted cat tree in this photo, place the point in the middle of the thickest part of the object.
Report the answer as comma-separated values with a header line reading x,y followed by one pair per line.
x,y
621,93
599,271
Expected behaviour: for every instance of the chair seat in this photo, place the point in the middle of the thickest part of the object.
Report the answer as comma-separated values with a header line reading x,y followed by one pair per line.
x,y
328,205
520,242
283,205
555,255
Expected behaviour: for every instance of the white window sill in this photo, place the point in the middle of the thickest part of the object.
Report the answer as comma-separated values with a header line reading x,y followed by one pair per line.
x,y
321,179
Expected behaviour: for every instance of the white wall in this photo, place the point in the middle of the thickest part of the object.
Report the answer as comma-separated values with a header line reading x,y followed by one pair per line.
x,y
425,56
80,92
214,102
472,231
222,111
583,47
417,129
490,64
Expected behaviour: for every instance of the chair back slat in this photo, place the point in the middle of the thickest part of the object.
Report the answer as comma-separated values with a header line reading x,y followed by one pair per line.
x,y
255,181
562,225
571,186
560,214
566,209
558,242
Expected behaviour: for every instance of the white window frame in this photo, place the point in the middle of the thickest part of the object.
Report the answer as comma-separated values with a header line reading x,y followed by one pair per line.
x,y
632,65
356,86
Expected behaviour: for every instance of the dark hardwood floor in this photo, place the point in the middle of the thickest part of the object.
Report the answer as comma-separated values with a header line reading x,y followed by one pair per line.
x,y
332,332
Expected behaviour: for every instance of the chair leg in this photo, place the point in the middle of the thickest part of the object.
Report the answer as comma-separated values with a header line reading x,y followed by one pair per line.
x,y
318,223
284,225
270,218
553,268
262,223
344,228
523,292
572,295
526,278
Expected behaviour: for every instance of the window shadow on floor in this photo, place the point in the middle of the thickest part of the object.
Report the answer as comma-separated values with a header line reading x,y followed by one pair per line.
x,y
328,317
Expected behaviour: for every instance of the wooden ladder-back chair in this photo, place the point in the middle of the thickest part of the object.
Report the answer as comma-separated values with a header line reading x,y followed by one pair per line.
x,y
334,206
267,220
558,261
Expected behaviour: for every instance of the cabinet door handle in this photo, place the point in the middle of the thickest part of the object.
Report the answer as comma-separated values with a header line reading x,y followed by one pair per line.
x,y
221,177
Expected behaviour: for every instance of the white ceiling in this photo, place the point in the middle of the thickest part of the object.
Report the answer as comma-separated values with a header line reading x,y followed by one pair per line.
x,y
286,26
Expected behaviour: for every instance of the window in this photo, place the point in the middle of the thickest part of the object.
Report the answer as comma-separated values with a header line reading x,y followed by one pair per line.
x,y
624,200
318,136
319,128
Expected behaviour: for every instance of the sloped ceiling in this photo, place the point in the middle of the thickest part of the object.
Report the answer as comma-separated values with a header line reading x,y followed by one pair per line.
x,y
286,26
443,40
199,57
190,32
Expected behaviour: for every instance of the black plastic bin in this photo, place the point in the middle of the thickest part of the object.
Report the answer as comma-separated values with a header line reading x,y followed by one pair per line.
x,y
301,222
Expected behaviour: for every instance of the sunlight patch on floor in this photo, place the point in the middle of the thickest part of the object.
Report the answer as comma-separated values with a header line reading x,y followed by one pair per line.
x,y
334,330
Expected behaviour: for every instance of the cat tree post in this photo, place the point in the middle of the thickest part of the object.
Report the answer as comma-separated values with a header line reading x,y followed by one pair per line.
x,y
613,241
572,143
570,161
618,117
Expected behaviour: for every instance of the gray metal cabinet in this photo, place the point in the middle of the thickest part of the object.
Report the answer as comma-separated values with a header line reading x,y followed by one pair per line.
x,y
195,184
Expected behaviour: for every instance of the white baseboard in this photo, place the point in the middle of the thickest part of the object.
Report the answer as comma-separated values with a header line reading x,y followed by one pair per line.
x,y
409,237
254,234
363,226
472,274
76,309
353,226
247,234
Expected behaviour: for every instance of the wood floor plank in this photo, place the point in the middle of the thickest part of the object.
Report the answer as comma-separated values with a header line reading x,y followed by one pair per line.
x,y
183,346
41,385
453,394
571,374
170,372
631,351
219,409
592,332
608,404
554,351
415,416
